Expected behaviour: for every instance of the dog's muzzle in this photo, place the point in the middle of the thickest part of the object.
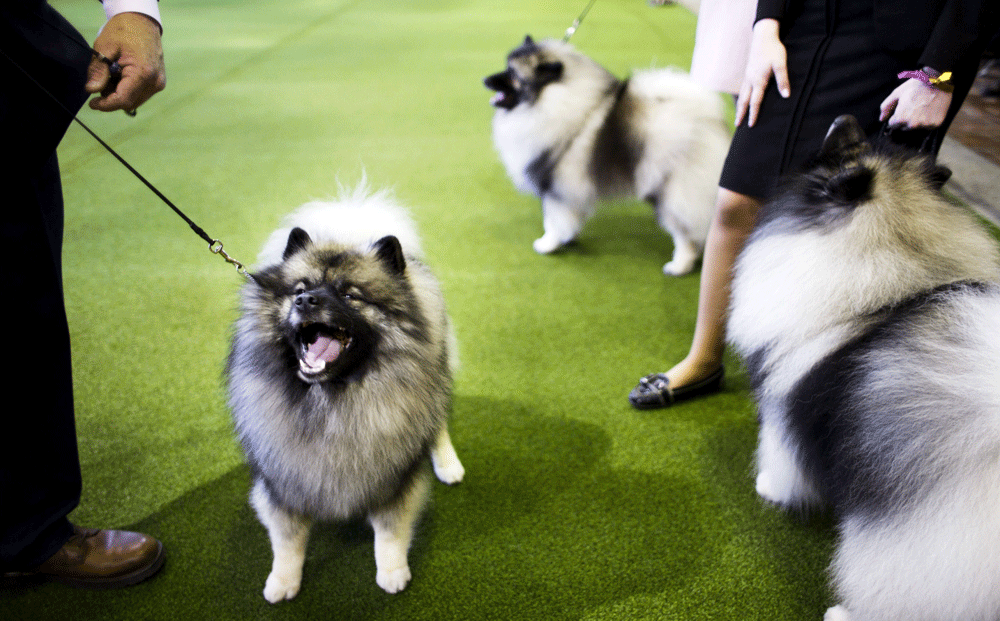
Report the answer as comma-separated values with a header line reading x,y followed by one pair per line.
x,y
506,96
319,343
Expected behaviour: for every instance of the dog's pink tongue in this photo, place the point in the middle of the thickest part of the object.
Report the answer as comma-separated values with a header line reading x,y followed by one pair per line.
x,y
324,348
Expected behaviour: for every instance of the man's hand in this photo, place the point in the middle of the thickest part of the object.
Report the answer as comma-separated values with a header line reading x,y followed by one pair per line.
x,y
133,40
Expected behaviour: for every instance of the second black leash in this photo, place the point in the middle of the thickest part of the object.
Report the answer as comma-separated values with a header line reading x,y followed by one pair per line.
x,y
576,22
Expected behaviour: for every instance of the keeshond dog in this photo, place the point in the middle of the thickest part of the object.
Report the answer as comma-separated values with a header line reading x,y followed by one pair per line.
x,y
570,133
867,309
339,380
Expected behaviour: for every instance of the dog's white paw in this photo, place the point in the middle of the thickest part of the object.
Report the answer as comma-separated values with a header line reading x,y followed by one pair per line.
x,y
837,613
786,489
680,265
393,581
450,472
547,244
768,490
279,588
447,466
685,257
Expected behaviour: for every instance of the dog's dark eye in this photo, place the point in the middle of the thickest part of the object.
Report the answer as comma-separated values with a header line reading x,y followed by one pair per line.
x,y
299,289
352,293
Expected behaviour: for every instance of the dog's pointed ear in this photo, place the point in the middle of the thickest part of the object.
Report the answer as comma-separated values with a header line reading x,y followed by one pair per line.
x,y
528,40
390,252
549,72
845,137
297,240
940,176
849,186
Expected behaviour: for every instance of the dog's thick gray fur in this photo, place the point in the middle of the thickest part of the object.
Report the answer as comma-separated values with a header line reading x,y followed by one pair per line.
x,y
571,133
867,308
340,378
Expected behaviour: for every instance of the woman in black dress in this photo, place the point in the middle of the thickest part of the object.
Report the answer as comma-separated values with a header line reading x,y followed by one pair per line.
x,y
907,65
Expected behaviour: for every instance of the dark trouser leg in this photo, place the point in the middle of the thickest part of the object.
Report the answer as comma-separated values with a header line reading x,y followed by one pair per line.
x,y
39,466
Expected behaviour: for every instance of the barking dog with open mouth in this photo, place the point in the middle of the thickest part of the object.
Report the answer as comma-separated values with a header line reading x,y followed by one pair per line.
x,y
571,133
867,309
339,382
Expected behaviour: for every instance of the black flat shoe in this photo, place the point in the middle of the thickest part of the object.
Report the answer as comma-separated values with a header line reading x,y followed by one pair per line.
x,y
654,391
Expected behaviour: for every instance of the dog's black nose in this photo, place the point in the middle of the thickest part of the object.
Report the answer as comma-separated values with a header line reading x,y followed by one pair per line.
x,y
306,301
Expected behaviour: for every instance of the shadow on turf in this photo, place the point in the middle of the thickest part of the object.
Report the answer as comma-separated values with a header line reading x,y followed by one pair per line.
x,y
542,527
620,229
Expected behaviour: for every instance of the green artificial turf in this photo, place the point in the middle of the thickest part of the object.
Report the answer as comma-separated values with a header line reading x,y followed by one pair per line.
x,y
574,506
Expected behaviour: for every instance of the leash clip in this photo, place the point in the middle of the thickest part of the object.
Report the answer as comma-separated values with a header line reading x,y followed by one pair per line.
x,y
216,248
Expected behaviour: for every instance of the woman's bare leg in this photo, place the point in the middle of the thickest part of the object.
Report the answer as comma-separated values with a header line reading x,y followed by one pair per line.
x,y
735,216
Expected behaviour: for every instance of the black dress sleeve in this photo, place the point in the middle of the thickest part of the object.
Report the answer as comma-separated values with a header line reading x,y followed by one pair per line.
x,y
963,28
770,9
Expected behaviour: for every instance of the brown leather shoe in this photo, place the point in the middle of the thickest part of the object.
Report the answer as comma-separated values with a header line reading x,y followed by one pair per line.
x,y
104,559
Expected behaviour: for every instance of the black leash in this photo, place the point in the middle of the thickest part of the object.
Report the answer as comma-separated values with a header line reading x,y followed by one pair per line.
x,y
214,245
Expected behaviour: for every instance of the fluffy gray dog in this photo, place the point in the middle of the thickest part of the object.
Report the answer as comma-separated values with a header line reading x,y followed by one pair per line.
x,y
570,133
340,382
867,309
